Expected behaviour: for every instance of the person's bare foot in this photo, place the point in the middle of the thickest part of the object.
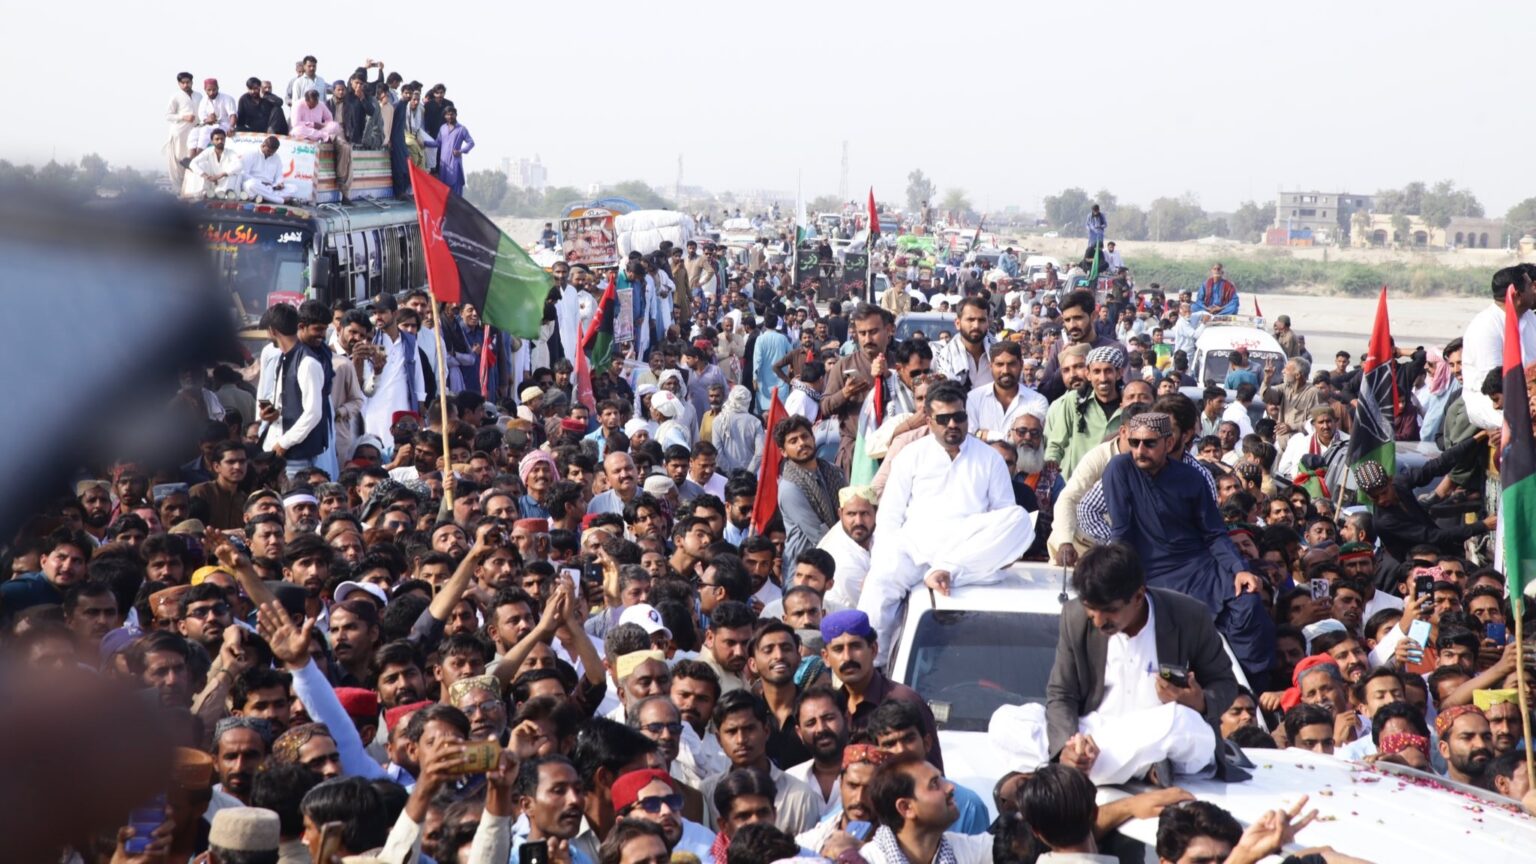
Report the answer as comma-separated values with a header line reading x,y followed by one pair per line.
x,y
938,580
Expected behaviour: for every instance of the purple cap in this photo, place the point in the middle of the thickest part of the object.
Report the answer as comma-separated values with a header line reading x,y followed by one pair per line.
x,y
115,642
848,622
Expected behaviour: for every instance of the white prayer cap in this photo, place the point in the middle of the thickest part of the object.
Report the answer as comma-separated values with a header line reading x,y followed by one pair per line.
x,y
666,403
245,829
659,485
634,425
1316,629
1019,734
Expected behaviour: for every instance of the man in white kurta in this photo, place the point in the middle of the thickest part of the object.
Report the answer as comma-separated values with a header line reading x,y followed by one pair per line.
x,y
219,167
391,390
848,542
180,116
1482,346
263,172
215,111
947,516
992,407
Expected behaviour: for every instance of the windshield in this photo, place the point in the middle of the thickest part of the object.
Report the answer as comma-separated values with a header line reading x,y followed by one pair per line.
x,y
1219,362
967,664
254,260
931,328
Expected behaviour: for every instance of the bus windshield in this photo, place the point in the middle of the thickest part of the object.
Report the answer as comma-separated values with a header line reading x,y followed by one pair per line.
x,y
255,260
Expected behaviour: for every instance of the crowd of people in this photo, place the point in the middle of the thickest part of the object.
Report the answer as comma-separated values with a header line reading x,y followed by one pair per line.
x,y
349,581
367,110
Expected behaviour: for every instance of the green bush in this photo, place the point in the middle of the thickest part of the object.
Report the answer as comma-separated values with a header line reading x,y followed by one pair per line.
x,y
1335,277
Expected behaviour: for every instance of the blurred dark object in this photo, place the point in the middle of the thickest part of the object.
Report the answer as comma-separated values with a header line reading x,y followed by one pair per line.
x,y
106,303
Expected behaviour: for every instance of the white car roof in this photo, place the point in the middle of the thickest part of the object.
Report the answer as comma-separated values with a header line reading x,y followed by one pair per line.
x,y
1029,587
1219,338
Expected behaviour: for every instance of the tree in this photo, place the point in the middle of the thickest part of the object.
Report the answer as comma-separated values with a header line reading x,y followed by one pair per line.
x,y
486,190
955,202
1521,218
641,193
1409,200
1400,229
1250,220
1445,202
1175,218
1128,223
93,170
824,204
919,190
1068,211
556,199
1107,202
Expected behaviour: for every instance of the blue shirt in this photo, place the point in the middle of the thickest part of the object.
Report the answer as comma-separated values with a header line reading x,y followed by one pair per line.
x,y
530,508
26,591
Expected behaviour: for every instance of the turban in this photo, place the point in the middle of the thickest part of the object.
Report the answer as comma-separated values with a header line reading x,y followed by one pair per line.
x,y
192,769
393,716
1107,354
868,753
1485,699
162,491
670,373
1292,695
285,750
847,622
571,424
1397,742
1449,716
245,829
626,790
1354,551
488,683
625,664
636,424
667,404
302,495
848,493
1153,421
359,704
259,725
1370,476
534,457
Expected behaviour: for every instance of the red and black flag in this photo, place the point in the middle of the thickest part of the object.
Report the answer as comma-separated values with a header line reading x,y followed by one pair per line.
x,y
1517,470
597,338
470,260
1371,435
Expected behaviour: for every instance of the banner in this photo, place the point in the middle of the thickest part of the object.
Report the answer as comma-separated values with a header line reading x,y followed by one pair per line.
x,y
624,323
589,237
300,163
806,263
855,270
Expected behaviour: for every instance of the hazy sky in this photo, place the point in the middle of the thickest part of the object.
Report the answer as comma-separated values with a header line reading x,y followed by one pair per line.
x,y
1009,101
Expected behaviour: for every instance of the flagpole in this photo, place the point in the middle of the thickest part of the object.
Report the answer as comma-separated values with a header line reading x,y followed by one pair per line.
x,y
1517,604
442,401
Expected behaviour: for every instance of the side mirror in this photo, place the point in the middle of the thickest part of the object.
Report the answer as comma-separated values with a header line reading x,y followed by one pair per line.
x,y
320,272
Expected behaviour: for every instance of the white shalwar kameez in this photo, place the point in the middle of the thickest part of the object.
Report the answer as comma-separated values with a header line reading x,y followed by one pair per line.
x,y
222,109
211,163
178,134
965,523
852,563
1132,727
389,389
262,174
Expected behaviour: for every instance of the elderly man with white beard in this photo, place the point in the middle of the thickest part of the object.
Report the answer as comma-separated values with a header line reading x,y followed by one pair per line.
x,y
849,541
953,492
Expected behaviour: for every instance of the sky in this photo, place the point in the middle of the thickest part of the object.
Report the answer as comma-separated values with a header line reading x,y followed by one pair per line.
x,y
1009,101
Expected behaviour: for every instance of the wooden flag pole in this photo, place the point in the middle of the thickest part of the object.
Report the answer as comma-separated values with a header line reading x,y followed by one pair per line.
x,y
1517,605
442,401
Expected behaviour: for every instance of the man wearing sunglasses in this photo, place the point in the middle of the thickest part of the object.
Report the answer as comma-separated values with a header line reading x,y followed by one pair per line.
x,y
1165,509
957,490
651,795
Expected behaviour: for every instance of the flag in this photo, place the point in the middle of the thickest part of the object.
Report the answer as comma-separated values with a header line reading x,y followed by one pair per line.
x,y
1371,434
1315,482
862,468
583,378
487,362
1517,468
1256,310
976,240
766,502
470,260
874,216
597,339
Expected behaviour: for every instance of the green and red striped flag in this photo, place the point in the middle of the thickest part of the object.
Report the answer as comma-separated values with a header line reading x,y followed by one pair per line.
x,y
1370,437
597,338
470,260
1517,470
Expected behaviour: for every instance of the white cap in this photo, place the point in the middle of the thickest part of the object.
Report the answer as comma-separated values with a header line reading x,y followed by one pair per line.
x,y
645,615
347,589
659,485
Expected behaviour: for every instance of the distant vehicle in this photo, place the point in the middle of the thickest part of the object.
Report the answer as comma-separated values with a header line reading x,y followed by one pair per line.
x,y
1224,334
1051,234
930,323
828,223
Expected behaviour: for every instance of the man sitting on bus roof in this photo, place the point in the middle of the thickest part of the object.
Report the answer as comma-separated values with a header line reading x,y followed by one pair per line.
x,y
219,167
263,172
312,120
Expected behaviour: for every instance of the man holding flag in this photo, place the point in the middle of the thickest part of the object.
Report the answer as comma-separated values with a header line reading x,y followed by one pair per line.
x,y
859,375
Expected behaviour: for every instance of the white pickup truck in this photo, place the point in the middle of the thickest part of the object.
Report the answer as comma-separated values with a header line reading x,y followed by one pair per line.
x,y
984,647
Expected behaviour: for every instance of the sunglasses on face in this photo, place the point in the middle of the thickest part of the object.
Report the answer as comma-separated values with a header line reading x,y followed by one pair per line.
x,y
654,804
956,418
658,728
1138,443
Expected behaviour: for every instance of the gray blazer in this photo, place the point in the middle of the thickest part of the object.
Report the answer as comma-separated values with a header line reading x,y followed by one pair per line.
x,y
1185,635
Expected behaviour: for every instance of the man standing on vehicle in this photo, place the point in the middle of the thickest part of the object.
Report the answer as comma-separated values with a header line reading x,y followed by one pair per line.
x,y
1080,419
398,383
181,114
850,379
1097,226
994,407
965,358
1141,678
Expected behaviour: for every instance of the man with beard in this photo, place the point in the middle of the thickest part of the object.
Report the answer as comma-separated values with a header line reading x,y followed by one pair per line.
x,y
262,692
1295,398
1325,443
224,494
849,542
658,719
1110,714
1077,325
850,649
354,632
808,487
95,506
202,614
652,796
994,406
896,728
307,563
301,512
159,662
774,655
551,796
965,359
1088,414
741,725
1345,651
855,765
1166,510
1502,708
240,748
915,807
726,641
955,491
850,380
823,732
1466,743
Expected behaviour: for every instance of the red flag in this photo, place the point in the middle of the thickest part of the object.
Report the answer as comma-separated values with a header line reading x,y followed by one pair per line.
x,y
431,204
487,362
874,216
1256,310
766,504
583,376
1379,351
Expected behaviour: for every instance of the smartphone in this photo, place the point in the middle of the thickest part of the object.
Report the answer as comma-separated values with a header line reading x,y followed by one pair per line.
x,y
592,572
1319,589
1418,631
859,829
571,573
1498,632
1423,586
479,757
1174,674
533,852
263,404
330,843
145,821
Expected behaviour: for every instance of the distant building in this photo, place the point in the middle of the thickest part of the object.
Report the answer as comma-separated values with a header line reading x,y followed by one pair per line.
x,y
1316,218
526,173
1378,230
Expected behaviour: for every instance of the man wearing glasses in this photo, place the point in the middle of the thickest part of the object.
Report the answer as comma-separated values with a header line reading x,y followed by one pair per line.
x,y
957,489
1163,508
653,796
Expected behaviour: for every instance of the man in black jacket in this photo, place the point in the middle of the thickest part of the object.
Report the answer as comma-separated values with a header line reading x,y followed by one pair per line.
x,y
1400,521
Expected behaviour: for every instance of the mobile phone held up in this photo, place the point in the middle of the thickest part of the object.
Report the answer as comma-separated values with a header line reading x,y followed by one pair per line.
x,y
145,821
533,852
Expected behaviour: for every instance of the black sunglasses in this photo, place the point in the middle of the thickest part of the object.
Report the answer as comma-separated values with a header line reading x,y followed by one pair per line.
x,y
956,418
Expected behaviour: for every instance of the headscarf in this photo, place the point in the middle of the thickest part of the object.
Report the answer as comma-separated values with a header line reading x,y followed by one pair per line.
x,y
667,404
1292,695
1107,354
682,386
848,493
866,753
738,401
1449,716
534,457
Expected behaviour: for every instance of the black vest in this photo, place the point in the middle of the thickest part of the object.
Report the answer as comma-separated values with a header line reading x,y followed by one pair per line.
x,y
319,438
